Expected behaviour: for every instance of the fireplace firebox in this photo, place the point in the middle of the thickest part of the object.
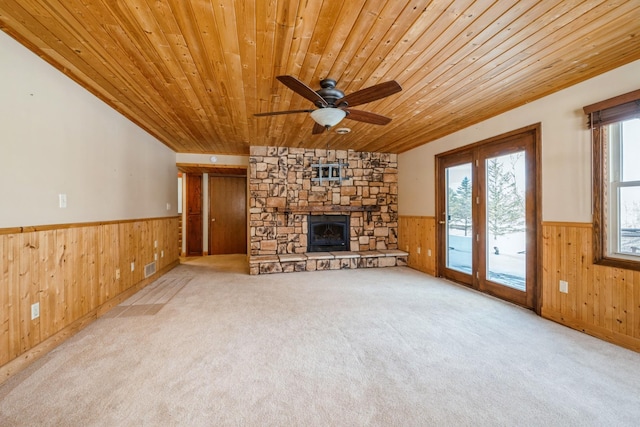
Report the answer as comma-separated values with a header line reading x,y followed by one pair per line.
x,y
328,233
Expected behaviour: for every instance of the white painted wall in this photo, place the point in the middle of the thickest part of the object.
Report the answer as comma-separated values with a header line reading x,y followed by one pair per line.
x,y
566,148
55,137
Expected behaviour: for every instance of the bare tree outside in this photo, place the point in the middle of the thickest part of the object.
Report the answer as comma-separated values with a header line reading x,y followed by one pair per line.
x,y
505,204
460,205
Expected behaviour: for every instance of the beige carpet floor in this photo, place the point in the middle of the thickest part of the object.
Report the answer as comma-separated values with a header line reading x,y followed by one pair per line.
x,y
209,345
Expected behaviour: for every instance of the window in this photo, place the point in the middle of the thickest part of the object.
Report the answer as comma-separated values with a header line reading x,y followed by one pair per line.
x,y
615,125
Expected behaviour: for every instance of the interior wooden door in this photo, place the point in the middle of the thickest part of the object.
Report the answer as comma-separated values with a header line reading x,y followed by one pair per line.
x,y
227,215
194,215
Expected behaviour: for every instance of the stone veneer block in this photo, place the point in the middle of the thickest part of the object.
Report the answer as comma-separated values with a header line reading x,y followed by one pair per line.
x,y
368,262
348,263
319,255
292,257
345,254
312,265
324,264
270,267
289,267
401,261
387,261
335,264
393,252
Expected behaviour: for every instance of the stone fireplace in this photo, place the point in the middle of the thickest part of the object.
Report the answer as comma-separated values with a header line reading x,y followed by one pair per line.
x,y
285,192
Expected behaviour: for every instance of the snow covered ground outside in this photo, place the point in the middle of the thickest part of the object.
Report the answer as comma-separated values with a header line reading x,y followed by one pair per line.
x,y
507,266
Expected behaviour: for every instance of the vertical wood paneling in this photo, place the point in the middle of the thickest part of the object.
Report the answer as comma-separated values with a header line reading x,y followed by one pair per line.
x,y
586,297
418,232
71,272
29,289
49,277
64,239
125,236
24,294
109,250
5,308
636,304
602,301
13,297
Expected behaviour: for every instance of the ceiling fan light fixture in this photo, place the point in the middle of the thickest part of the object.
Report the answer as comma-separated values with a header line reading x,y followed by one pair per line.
x,y
329,116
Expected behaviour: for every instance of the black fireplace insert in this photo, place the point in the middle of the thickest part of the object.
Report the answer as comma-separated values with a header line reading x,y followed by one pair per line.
x,y
328,233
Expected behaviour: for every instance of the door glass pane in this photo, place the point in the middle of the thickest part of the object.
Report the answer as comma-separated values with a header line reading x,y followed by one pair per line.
x,y
506,237
458,218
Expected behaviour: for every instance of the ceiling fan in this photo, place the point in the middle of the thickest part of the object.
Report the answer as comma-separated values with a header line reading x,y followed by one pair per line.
x,y
333,105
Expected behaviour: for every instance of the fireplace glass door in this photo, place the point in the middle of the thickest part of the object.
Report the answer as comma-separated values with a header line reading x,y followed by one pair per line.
x,y
328,233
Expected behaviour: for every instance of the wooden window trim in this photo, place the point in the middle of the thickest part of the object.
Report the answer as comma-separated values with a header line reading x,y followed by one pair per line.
x,y
598,135
613,110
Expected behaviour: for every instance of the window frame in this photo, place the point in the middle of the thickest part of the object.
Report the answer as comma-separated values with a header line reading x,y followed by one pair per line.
x,y
614,110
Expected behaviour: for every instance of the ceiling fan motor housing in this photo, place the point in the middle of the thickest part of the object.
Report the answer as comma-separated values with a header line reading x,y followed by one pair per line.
x,y
329,93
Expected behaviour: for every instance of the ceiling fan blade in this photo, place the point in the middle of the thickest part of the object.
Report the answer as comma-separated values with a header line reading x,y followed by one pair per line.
x,y
367,117
318,129
302,89
275,113
371,93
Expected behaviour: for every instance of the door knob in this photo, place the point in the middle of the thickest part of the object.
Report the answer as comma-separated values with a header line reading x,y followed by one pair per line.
x,y
213,219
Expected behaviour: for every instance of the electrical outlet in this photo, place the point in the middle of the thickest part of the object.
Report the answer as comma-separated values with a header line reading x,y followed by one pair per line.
x,y
35,311
133,266
155,243
419,250
117,273
161,254
62,200
155,257
564,287
428,252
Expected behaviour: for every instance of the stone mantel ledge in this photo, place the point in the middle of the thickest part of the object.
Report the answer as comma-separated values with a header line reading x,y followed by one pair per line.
x,y
328,208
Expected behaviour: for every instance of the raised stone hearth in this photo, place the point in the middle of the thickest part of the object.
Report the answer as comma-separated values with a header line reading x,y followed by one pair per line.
x,y
314,261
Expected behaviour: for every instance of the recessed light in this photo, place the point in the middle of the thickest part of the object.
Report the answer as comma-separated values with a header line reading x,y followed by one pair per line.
x,y
342,131
213,159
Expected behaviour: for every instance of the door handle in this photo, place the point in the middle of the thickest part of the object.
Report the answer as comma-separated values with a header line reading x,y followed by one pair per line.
x,y
442,222
213,220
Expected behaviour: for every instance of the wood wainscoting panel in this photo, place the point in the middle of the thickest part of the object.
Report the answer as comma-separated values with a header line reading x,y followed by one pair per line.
x,y
602,301
418,234
74,273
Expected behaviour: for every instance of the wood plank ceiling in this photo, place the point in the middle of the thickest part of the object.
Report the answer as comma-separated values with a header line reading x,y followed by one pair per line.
x,y
193,73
